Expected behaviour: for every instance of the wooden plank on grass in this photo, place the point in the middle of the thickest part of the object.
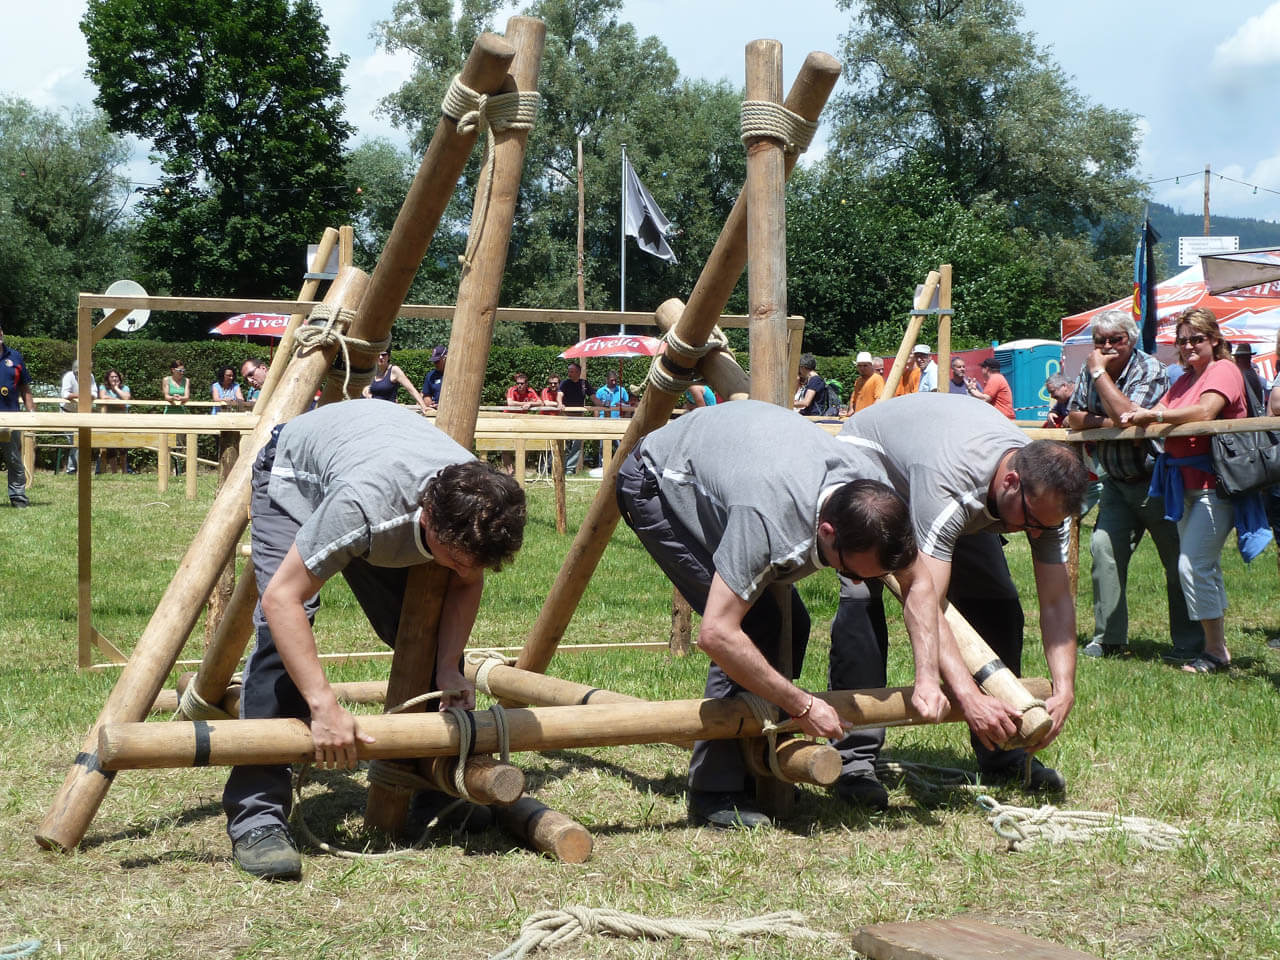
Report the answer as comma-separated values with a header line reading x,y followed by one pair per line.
x,y
956,938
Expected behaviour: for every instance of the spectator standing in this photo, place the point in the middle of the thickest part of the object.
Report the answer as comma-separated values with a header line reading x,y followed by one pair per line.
x,y
994,388
612,396
958,383
811,389
1116,378
225,391
869,386
1210,389
575,392
176,388
254,372
910,382
15,387
877,365
698,395
117,392
552,398
923,357
1272,498
1255,394
521,398
387,381
70,398
434,380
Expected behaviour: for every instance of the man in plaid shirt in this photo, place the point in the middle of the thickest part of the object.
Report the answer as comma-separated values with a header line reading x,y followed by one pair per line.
x,y
1115,378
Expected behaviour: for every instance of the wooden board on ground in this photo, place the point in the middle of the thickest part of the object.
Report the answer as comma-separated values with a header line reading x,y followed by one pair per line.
x,y
956,938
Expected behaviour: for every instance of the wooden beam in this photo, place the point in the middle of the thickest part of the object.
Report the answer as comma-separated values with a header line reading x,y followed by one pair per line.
x,y
955,938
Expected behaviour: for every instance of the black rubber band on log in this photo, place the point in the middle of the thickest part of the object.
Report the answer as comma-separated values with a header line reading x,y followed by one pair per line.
x,y
203,747
92,764
995,666
588,695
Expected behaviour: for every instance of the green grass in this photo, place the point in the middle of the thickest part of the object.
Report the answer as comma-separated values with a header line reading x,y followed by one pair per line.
x,y
154,877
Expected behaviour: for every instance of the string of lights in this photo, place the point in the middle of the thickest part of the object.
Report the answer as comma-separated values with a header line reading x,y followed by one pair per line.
x,y
1178,178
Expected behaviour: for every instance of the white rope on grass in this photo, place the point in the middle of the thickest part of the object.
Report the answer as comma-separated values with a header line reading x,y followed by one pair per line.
x,y
23,948
554,928
1020,826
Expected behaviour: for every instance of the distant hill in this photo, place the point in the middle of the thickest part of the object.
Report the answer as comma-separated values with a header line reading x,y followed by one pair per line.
x,y
1171,225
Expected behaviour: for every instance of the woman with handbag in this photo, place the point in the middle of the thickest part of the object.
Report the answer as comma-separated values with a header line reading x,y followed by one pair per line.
x,y
1210,389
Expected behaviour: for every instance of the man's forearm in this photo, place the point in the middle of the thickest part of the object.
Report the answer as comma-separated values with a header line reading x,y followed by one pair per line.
x,y
457,617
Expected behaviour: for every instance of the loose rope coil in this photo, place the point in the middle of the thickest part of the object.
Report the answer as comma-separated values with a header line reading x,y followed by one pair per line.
x,y
767,715
553,928
1023,825
764,118
492,113
328,325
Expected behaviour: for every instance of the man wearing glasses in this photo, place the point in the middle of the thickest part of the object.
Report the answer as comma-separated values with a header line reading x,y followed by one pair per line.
x,y
1116,378
969,476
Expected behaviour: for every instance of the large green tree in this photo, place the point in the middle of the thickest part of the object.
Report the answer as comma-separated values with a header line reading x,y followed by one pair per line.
x,y
61,200
243,105
602,83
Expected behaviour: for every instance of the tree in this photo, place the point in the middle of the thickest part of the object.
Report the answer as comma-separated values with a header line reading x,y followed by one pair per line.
x,y
243,105
602,83
60,206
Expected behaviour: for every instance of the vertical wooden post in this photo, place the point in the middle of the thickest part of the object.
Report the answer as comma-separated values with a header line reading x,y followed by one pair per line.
x,y
913,332
944,328
164,462
228,449
413,664
557,481
681,625
521,460
84,490
29,455
767,309
715,285
193,463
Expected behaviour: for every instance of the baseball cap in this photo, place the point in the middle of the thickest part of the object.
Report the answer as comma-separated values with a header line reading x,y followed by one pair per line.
x,y
922,348
863,357
439,353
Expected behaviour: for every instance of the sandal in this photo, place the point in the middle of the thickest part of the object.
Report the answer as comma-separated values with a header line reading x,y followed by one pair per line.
x,y
1206,663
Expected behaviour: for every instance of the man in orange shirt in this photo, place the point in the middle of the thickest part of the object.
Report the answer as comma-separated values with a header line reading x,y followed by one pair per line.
x,y
910,381
869,385
995,388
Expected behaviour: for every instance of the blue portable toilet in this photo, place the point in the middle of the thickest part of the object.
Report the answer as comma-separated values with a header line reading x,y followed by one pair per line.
x,y
1026,364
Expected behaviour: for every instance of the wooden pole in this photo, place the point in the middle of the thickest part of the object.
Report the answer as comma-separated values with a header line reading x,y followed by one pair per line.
x,y
718,368
193,463
681,625
220,598
546,830
217,743
944,327
164,463
801,761
487,780
557,483
714,287
84,489
1206,199
157,649
414,662
913,333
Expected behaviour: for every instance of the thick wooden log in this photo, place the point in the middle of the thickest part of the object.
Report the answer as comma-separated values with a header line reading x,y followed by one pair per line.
x,y
220,598
489,782
944,327
715,285
681,625
718,368
222,656
999,682
399,736
546,830
157,649
414,662
557,483
801,761
912,334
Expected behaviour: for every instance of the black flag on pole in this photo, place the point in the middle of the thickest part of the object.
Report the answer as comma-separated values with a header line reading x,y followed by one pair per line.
x,y
645,221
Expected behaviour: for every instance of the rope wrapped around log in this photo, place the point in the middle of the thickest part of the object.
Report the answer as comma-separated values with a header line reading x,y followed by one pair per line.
x,y
764,118
327,325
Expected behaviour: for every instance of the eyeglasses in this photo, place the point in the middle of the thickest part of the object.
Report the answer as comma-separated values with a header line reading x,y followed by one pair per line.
x,y
1192,341
1029,521
1111,341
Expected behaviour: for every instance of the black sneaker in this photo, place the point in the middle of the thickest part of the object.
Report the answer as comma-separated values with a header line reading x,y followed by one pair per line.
x,y
268,853
862,790
725,810
453,813
1043,779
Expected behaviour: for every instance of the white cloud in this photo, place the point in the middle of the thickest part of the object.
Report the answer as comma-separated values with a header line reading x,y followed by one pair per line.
x,y
369,79
1255,44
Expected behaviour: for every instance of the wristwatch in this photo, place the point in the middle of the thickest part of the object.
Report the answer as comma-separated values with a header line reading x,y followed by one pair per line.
x,y
1095,374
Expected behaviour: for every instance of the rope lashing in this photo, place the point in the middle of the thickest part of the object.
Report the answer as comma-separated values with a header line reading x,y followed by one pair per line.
x,y
192,706
767,716
23,948
328,325
764,118
493,113
1022,825
486,660
554,928
667,376
716,341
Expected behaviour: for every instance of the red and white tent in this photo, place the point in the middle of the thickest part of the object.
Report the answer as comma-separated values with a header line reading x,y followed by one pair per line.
x,y
1250,315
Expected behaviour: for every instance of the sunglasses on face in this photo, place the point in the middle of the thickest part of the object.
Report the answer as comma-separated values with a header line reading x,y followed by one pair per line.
x,y
1112,341
1192,341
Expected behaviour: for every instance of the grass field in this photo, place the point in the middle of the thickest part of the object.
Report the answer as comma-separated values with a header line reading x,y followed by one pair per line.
x,y
154,877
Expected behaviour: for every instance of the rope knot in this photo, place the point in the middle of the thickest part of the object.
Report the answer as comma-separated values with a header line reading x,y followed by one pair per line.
x,y
764,118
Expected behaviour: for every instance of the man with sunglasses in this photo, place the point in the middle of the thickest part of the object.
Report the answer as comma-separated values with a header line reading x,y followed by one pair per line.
x,y
732,498
969,476
1118,377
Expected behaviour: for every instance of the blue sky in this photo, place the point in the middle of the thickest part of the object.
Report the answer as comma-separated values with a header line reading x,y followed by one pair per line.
x,y
1201,77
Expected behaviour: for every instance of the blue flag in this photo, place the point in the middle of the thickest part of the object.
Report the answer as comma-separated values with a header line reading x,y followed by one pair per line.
x,y
1144,285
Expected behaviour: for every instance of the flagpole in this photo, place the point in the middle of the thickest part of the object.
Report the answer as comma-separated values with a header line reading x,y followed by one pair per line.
x,y
622,242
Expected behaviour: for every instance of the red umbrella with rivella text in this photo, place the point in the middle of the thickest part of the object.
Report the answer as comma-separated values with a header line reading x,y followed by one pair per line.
x,y
253,325
620,345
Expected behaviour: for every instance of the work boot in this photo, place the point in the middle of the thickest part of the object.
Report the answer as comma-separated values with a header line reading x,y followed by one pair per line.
x,y
1043,779
862,790
268,853
725,810
453,812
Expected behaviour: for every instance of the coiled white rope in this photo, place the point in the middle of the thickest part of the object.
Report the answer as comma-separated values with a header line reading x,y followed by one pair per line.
x,y
764,118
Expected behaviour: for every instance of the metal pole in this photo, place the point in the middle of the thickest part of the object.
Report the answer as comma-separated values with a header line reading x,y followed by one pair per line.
x,y
622,242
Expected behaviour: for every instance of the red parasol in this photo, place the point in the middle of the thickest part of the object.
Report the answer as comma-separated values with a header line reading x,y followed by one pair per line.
x,y
253,325
620,345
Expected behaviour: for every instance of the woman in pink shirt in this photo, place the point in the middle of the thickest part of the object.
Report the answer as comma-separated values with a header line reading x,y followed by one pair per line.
x,y
1211,389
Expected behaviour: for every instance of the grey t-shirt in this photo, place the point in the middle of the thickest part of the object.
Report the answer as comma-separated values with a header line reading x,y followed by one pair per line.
x,y
941,455
747,479
352,474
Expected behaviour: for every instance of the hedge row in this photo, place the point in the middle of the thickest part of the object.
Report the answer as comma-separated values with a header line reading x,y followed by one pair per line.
x,y
144,363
